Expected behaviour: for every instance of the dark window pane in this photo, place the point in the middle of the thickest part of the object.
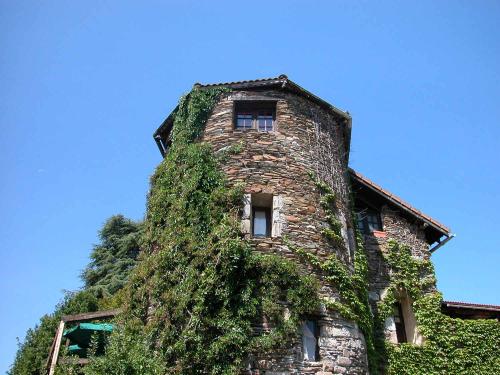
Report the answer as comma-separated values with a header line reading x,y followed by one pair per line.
x,y
399,323
265,122
368,220
361,222
244,121
373,221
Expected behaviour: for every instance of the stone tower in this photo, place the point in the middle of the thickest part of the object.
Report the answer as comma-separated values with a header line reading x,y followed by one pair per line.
x,y
285,135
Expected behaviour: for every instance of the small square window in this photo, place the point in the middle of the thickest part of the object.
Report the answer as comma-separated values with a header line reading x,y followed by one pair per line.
x,y
244,121
258,115
265,121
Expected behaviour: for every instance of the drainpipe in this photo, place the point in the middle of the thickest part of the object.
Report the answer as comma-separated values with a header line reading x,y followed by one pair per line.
x,y
159,143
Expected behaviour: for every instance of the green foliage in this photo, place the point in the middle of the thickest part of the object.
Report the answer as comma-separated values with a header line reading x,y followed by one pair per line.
x,y
32,354
114,257
193,300
191,303
111,262
452,346
351,286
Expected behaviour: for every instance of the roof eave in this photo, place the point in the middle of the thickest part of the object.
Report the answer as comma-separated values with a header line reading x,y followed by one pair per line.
x,y
399,203
281,82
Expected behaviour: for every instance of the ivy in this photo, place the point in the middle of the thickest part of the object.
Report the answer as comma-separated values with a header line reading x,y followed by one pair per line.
x,y
192,302
451,346
352,286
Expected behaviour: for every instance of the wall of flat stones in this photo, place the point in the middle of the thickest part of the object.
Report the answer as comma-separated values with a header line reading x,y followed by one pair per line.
x,y
398,228
307,138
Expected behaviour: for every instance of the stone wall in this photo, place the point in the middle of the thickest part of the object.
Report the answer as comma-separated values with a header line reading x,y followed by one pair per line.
x,y
306,139
398,228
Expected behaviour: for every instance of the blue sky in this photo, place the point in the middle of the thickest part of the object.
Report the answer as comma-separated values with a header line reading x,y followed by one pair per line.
x,y
84,84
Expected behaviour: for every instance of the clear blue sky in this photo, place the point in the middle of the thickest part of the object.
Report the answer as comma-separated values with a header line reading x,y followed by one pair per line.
x,y
84,84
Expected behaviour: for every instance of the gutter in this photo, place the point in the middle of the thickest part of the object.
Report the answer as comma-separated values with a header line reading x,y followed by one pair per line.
x,y
441,243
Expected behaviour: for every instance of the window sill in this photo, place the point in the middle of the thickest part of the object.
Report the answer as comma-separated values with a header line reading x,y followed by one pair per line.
x,y
309,363
379,234
252,130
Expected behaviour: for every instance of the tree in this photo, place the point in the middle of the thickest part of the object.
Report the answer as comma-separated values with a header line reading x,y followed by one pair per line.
x,y
32,354
111,262
114,257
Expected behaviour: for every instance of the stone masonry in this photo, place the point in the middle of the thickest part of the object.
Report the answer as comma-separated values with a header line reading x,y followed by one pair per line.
x,y
309,137
306,139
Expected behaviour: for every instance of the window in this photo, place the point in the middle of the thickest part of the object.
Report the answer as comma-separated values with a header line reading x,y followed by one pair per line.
x,y
310,334
262,205
405,323
368,220
261,222
399,323
244,121
255,115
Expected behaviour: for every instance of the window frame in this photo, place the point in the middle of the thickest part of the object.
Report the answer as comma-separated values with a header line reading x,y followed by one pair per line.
x,y
362,216
400,326
255,108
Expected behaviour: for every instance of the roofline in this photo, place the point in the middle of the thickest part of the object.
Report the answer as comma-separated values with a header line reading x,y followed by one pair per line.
x,y
400,203
467,305
281,82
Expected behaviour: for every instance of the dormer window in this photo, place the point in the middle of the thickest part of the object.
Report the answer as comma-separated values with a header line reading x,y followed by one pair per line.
x,y
368,220
256,115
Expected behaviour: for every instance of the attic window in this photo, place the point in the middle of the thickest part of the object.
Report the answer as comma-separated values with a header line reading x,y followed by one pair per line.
x,y
369,220
256,115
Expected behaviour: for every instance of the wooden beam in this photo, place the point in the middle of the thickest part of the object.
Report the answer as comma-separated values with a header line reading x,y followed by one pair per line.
x,y
91,316
49,357
57,347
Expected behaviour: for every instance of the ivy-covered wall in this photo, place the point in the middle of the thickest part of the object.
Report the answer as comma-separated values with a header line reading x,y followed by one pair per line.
x,y
206,299
307,140
194,299
451,346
